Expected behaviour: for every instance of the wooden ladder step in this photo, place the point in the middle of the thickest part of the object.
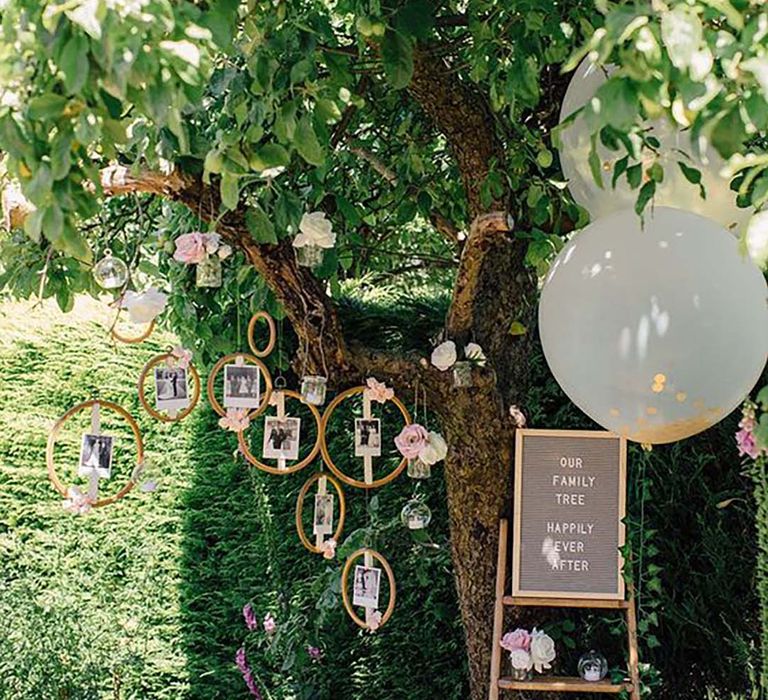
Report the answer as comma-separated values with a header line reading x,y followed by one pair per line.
x,y
531,601
564,684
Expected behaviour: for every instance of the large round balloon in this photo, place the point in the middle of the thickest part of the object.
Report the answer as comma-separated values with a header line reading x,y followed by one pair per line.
x,y
675,190
655,332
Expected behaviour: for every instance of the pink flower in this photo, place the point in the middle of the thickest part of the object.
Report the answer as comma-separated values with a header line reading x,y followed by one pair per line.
x,y
236,420
315,653
190,248
328,548
269,624
412,440
77,502
519,639
379,391
745,441
374,621
250,617
242,665
182,355
240,660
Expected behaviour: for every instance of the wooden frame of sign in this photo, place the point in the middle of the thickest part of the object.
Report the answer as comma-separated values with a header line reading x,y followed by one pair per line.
x,y
606,462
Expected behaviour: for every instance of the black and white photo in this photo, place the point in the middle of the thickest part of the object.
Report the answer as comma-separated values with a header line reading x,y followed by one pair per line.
x,y
242,386
96,455
281,438
367,437
323,524
365,589
171,390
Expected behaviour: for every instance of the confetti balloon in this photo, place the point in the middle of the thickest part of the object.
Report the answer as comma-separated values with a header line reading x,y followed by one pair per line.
x,y
675,190
658,331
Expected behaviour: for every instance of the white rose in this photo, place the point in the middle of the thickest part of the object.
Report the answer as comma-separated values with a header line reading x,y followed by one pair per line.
x,y
444,355
436,449
521,660
542,650
224,251
315,230
757,239
143,307
472,351
212,242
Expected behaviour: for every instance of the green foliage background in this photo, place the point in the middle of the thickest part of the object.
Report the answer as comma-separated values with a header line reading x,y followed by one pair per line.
x,y
143,599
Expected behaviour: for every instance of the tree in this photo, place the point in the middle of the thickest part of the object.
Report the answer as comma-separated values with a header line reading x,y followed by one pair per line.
x,y
422,129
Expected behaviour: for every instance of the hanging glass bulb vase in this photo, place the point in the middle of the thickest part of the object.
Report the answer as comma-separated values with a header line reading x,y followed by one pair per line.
x,y
415,515
418,469
313,388
593,666
110,272
208,273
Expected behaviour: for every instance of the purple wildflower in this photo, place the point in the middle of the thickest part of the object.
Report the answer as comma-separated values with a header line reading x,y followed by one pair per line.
x,y
250,617
250,681
315,653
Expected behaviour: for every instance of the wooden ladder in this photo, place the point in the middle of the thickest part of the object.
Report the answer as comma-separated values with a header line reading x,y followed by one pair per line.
x,y
557,684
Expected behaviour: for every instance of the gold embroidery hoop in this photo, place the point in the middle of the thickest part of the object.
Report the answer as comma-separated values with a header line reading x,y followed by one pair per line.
x,y
131,340
232,358
49,457
376,483
251,459
164,417
300,509
270,346
345,593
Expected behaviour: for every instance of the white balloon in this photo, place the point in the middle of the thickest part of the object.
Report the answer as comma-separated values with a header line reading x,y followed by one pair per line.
x,y
674,191
656,333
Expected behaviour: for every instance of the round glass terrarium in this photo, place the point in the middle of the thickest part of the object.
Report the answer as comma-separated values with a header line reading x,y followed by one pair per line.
x,y
418,469
110,272
313,389
309,255
416,515
208,273
593,666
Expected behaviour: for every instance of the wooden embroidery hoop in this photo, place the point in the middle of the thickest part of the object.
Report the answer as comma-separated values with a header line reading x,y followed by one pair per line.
x,y
249,359
280,395
316,548
272,334
132,340
57,483
165,417
370,555
367,483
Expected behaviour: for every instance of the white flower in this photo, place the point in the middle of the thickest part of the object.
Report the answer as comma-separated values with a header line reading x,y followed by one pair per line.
x,y
224,251
521,660
435,450
472,351
518,417
444,355
542,650
272,173
315,230
757,239
143,307
212,242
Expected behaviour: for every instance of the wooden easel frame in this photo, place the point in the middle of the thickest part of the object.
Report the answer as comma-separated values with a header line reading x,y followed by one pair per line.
x,y
557,684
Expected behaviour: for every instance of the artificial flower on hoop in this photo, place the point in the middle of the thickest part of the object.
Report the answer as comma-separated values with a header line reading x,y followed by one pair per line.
x,y
444,355
474,353
144,307
374,621
236,420
181,355
519,639
328,548
191,248
435,450
77,502
378,391
315,230
412,440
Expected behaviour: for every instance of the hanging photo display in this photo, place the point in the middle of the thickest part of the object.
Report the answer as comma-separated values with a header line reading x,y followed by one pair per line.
x,y
242,386
177,385
96,456
323,520
171,390
365,588
367,437
281,438
570,490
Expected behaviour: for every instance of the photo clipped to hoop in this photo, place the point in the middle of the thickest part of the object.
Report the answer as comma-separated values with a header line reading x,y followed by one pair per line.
x,y
323,523
365,589
367,437
171,389
96,455
242,386
281,438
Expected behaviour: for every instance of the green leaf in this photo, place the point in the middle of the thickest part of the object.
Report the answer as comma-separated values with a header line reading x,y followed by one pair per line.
x,y
271,155
52,222
74,63
619,169
306,142
635,175
693,175
517,328
646,194
230,190
47,106
260,226
416,18
33,225
595,166
397,57
762,398
89,15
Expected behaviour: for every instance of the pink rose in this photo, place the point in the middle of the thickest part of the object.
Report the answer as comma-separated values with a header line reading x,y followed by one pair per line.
x,y
519,639
412,440
379,391
236,420
190,248
182,355
328,548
